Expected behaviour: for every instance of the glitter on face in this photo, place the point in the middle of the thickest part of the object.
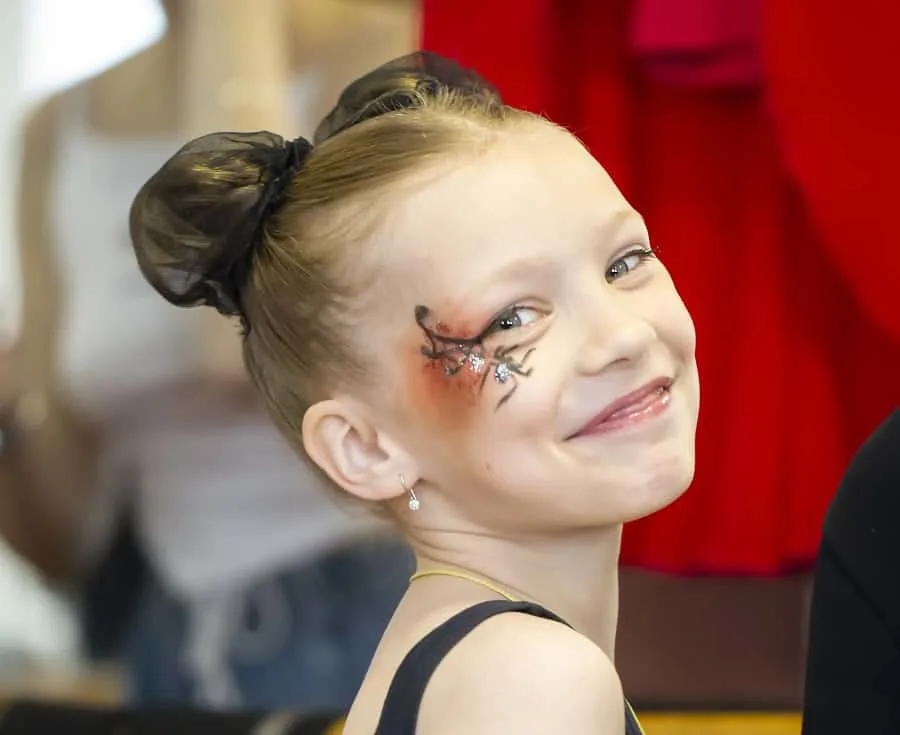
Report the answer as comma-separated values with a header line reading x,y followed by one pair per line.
x,y
476,362
502,373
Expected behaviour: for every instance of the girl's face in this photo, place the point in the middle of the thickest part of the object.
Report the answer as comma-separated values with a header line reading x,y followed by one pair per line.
x,y
535,358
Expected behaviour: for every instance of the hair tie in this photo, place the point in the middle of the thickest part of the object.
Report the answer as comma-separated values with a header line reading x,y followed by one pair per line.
x,y
197,224
298,149
286,162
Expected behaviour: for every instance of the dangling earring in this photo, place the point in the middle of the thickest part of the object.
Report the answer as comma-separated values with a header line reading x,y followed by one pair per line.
x,y
413,503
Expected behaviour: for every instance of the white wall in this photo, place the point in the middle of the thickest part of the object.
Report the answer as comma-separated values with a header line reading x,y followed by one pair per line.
x,y
46,45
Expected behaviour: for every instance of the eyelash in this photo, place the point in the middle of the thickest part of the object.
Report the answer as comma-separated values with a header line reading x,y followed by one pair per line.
x,y
642,254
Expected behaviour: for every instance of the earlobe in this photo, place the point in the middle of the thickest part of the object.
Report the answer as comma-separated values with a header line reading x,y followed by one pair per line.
x,y
355,453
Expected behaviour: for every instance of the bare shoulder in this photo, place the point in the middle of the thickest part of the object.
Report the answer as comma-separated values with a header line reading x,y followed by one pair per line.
x,y
518,673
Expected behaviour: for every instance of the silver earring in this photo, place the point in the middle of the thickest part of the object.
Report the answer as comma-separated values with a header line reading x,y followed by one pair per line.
x,y
413,503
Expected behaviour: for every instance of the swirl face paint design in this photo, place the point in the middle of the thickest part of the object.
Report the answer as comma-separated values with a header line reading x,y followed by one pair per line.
x,y
455,354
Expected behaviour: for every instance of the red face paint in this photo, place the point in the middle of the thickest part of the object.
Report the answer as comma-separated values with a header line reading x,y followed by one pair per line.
x,y
446,382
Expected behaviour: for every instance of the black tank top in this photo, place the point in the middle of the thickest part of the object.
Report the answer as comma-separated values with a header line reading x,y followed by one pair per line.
x,y
404,697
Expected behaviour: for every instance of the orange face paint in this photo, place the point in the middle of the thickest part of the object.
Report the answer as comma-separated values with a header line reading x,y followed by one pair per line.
x,y
457,368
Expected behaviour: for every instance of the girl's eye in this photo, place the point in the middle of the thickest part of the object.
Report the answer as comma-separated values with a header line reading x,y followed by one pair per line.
x,y
628,263
515,317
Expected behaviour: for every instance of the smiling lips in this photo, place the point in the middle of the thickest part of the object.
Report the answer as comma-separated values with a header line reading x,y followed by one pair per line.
x,y
633,408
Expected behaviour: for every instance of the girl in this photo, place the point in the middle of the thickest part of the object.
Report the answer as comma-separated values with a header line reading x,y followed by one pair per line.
x,y
452,311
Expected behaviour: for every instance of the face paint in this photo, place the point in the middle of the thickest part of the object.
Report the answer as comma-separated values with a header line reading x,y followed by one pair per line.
x,y
467,355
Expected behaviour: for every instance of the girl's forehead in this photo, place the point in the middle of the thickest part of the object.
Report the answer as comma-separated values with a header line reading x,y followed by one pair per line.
x,y
526,198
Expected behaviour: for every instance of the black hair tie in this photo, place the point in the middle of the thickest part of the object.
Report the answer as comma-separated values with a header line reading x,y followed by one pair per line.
x,y
286,162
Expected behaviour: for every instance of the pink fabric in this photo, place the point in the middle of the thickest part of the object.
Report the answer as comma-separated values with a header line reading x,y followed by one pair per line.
x,y
698,43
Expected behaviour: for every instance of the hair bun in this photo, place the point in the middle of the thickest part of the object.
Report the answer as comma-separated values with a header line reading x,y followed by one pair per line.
x,y
196,223
400,84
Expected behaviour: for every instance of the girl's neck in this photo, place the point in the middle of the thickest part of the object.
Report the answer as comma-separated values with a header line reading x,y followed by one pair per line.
x,y
574,576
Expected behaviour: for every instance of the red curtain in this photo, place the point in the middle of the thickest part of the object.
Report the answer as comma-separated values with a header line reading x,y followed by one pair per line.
x,y
771,204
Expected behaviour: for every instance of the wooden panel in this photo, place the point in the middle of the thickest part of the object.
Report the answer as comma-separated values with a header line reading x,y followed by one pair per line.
x,y
712,643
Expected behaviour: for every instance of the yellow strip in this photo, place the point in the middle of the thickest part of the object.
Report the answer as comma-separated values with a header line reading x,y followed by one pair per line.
x,y
749,723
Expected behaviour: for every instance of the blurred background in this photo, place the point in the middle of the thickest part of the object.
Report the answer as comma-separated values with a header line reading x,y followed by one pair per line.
x,y
47,45
159,544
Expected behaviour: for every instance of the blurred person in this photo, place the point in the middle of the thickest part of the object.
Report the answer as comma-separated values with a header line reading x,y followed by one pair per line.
x,y
853,661
451,310
261,590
